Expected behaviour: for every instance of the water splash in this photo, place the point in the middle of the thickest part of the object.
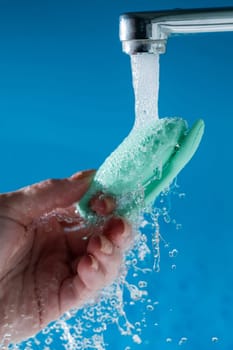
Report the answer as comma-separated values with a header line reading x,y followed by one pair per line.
x,y
84,329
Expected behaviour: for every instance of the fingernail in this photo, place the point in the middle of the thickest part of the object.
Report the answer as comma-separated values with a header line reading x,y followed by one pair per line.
x,y
106,246
82,175
93,262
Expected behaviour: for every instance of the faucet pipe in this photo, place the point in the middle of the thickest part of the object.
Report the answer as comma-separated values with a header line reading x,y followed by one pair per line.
x,y
148,31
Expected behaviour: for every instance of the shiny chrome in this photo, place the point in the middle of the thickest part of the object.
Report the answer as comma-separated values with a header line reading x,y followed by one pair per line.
x,y
148,31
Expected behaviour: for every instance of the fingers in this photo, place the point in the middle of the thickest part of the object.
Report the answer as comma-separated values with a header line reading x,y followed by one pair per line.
x,y
99,266
119,232
104,254
41,198
102,204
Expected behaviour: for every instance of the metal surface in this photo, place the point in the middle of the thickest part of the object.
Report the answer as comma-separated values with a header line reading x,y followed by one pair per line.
x,y
148,31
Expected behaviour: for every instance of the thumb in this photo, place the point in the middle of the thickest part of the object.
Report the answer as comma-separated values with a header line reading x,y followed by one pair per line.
x,y
35,200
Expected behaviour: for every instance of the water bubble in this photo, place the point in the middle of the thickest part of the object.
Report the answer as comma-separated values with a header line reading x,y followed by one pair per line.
x,y
173,267
46,330
137,339
113,302
143,252
84,329
178,226
60,217
48,340
173,253
142,284
135,293
169,340
182,195
99,329
36,341
143,223
214,339
150,307
144,238
182,340
90,312
167,218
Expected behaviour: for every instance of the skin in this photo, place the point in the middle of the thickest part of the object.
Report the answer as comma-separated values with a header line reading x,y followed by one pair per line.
x,y
47,264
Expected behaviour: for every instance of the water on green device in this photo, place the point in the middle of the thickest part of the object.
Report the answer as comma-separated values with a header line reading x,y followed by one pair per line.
x,y
153,153
143,165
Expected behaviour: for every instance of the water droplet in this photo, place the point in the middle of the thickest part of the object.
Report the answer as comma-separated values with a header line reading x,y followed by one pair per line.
x,y
46,330
37,342
142,284
173,267
169,340
167,218
173,253
48,340
137,339
182,340
150,307
214,339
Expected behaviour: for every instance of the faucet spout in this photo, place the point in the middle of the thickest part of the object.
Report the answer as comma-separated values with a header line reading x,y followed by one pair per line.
x,y
148,31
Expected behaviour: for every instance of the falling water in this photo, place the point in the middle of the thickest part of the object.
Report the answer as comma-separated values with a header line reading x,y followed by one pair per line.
x,y
145,72
84,329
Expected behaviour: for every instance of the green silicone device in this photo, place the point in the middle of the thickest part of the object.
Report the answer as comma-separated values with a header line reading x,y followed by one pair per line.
x,y
144,165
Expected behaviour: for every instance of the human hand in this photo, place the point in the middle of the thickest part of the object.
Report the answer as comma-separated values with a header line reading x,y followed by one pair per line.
x,y
49,264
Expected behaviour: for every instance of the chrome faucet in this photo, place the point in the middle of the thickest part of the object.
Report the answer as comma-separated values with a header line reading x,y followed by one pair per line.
x,y
148,31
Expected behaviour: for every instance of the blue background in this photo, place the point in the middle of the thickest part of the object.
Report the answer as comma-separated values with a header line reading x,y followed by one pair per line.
x,y
66,101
